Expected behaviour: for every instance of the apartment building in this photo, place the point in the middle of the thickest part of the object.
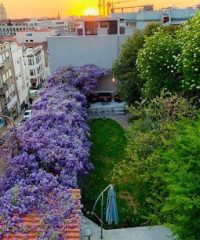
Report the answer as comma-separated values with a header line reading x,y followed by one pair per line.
x,y
35,65
139,19
9,101
34,35
22,80
11,27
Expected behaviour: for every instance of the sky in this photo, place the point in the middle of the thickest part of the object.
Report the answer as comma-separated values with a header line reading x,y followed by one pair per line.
x,y
50,8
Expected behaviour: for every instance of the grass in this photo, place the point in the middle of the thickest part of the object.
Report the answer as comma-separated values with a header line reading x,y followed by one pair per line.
x,y
109,142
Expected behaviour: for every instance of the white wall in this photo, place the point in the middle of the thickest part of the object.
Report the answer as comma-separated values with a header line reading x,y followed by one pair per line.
x,y
33,36
20,73
31,53
81,50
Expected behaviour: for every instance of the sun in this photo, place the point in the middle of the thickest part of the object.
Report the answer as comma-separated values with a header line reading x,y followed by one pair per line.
x,y
90,12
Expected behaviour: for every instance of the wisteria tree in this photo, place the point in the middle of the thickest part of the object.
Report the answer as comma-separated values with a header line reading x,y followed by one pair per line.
x,y
52,150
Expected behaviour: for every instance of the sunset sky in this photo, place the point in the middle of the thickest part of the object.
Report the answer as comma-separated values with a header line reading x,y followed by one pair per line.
x,y
43,8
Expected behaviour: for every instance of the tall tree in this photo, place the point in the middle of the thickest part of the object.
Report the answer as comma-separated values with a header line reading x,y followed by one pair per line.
x,y
188,37
157,64
124,68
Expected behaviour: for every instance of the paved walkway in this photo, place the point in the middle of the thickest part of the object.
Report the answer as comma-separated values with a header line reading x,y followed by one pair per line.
x,y
138,233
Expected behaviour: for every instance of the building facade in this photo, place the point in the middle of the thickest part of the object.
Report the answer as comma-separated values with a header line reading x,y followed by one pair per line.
x,y
34,35
140,19
11,27
22,80
9,101
35,65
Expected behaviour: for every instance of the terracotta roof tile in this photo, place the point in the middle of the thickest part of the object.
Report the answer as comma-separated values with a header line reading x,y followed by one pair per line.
x,y
70,232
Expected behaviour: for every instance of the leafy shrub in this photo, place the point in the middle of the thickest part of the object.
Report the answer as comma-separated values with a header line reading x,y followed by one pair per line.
x,y
179,170
140,168
124,68
156,64
188,61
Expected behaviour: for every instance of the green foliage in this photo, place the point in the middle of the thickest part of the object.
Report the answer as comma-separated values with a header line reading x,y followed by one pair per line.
x,y
140,167
124,68
179,171
188,37
165,108
109,142
156,63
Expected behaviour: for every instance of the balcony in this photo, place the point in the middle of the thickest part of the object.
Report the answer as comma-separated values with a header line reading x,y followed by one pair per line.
x,y
2,93
1,65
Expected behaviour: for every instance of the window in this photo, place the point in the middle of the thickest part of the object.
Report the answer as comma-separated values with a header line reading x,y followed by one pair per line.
x,y
4,78
32,73
31,61
7,75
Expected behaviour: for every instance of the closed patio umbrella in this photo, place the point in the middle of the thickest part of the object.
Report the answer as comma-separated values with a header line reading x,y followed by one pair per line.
x,y
111,209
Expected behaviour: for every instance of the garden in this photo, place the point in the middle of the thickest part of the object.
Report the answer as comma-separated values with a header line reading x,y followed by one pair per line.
x,y
109,143
154,164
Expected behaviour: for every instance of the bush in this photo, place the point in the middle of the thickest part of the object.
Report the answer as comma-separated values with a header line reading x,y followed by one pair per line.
x,y
189,58
179,171
140,168
124,68
156,64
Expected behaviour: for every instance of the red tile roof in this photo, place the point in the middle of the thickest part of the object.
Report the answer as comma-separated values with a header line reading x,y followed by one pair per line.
x,y
8,39
70,232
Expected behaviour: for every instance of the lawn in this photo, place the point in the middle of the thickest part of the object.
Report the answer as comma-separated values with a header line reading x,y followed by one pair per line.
x,y
109,142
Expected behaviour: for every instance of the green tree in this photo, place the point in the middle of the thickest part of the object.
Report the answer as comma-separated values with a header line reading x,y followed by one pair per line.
x,y
157,64
179,170
139,171
188,37
124,68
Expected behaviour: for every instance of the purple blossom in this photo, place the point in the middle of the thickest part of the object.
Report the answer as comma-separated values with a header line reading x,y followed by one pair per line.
x,y
53,149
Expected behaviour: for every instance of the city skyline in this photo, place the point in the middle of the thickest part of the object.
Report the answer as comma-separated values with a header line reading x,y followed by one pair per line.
x,y
39,8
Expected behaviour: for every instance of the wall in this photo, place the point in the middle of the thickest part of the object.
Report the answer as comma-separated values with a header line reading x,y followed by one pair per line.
x,y
33,36
81,50
33,54
106,84
19,69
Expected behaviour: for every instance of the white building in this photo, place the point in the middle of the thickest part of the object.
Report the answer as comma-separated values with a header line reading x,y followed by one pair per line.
x,y
35,65
34,35
169,16
9,101
59,27
10,28
22,80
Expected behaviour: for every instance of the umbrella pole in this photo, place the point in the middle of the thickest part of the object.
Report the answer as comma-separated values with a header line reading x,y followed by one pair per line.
x,y
101,217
